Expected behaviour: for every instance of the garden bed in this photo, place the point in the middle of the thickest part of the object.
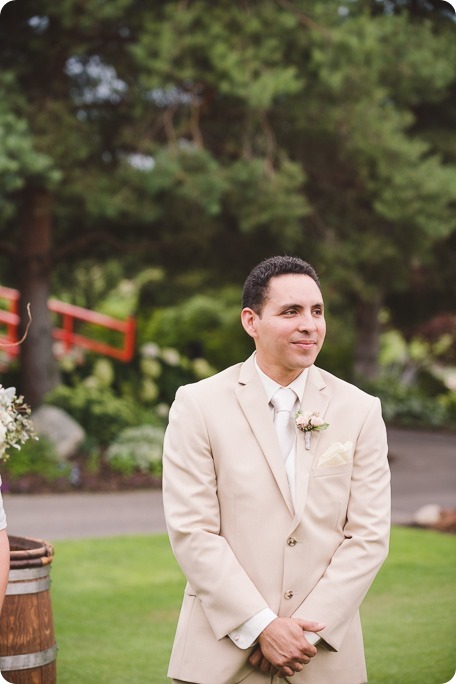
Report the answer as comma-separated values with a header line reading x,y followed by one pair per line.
x,y
80,476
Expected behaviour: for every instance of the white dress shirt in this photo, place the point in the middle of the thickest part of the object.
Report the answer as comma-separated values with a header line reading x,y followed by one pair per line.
x,y
298,386
247,633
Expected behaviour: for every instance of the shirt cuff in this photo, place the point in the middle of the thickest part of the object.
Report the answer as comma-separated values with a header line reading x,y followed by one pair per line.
x,y
247,633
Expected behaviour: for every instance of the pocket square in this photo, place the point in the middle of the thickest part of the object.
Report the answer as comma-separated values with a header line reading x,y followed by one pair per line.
x,y
336,454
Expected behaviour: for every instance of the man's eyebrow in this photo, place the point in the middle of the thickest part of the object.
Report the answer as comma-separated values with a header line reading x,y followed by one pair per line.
x,y
290,305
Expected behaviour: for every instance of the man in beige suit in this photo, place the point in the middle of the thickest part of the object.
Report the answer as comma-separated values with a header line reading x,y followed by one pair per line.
x,y
279,541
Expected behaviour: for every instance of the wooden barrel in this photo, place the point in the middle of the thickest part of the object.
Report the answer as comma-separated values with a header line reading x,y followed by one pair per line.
x,y
27,644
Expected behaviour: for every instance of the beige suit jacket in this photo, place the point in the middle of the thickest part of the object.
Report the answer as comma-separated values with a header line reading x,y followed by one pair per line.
x,y
241,544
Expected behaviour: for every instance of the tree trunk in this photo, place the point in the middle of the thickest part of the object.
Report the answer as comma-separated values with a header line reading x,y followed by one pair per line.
x,y
367,333
39,371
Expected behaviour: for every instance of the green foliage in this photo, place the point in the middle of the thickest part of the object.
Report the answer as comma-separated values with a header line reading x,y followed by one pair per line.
x,y
388,197
16,143
408,405
163,370
191,175
270,198
204,139
35,457
96,408
448,404
95,285
20,163
243,53
137,448
205,326
413,389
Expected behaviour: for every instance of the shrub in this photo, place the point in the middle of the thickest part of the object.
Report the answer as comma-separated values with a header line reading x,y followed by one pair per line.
x,y
163,370
203,326
408,405
448,402
37,457
102,414
137,448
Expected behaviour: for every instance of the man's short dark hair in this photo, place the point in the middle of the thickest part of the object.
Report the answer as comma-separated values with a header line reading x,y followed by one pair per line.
x,y
256,286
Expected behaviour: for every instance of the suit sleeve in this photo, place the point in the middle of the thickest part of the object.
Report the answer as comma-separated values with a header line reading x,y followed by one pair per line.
x,y
227,594
337,596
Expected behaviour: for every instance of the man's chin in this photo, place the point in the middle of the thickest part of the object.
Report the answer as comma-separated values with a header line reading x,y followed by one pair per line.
x,y
305,360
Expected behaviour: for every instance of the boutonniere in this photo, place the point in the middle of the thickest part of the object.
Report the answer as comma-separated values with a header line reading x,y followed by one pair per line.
x,y
307,422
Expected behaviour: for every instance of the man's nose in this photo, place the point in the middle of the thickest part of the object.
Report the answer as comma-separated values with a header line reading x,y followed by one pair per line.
x,y
307,322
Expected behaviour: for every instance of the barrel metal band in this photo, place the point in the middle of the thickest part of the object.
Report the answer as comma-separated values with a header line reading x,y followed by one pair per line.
x,y
28,660
28,587
18,574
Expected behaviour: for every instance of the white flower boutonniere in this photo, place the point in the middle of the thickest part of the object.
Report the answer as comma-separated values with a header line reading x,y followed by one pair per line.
x,y
15,428
307,422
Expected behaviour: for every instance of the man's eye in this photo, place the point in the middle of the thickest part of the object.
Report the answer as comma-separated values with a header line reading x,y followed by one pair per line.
x,y
318,312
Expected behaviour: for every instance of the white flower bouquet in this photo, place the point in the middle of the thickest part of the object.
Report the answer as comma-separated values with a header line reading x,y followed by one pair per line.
x,y
15,426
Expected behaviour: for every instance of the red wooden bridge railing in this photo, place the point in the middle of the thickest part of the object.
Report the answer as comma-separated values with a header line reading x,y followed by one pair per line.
x,y
67,314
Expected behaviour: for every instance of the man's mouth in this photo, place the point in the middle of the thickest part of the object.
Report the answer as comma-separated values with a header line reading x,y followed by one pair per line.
x,y
305,343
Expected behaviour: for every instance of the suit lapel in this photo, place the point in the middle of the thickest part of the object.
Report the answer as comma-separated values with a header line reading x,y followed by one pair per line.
x,y
315,399
252,398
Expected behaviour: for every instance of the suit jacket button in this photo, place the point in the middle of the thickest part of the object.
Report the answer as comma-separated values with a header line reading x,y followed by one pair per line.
x,y
288,594
291,541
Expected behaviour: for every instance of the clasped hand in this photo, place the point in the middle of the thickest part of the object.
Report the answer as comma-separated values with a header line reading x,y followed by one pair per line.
x,y
283,648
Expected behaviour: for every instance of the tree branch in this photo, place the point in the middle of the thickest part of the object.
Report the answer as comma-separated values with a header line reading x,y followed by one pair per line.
x,y
303,18
168,125
195,107
271,143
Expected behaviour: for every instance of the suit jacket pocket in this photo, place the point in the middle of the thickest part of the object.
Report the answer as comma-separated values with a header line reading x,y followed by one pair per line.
x,y
330,471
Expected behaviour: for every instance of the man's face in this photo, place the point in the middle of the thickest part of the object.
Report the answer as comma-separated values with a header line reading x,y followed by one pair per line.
x,y
291,329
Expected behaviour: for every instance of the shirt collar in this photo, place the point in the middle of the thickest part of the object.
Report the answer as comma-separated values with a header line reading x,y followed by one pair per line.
x,y
271,386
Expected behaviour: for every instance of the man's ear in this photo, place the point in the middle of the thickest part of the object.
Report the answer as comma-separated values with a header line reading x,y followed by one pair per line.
x,y
248,320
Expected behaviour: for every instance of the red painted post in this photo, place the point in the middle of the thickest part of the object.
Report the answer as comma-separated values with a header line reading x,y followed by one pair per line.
x,y
129,344
11,318
67,332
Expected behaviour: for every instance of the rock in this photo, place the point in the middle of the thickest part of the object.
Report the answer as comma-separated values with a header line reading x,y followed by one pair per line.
x,y
60,428
428,515
447,522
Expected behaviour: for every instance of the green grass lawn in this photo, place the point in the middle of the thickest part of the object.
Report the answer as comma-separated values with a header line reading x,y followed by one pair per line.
x,y
116,602
409,615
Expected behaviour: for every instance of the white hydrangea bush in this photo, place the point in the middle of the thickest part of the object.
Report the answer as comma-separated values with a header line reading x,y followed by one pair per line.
x,y
137,449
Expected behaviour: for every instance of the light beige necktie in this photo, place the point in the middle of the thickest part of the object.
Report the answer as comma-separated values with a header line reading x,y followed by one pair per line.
x,y
283,401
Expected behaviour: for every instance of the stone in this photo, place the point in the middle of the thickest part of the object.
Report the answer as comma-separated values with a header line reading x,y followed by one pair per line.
x,y
447,522
60,428
428,515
